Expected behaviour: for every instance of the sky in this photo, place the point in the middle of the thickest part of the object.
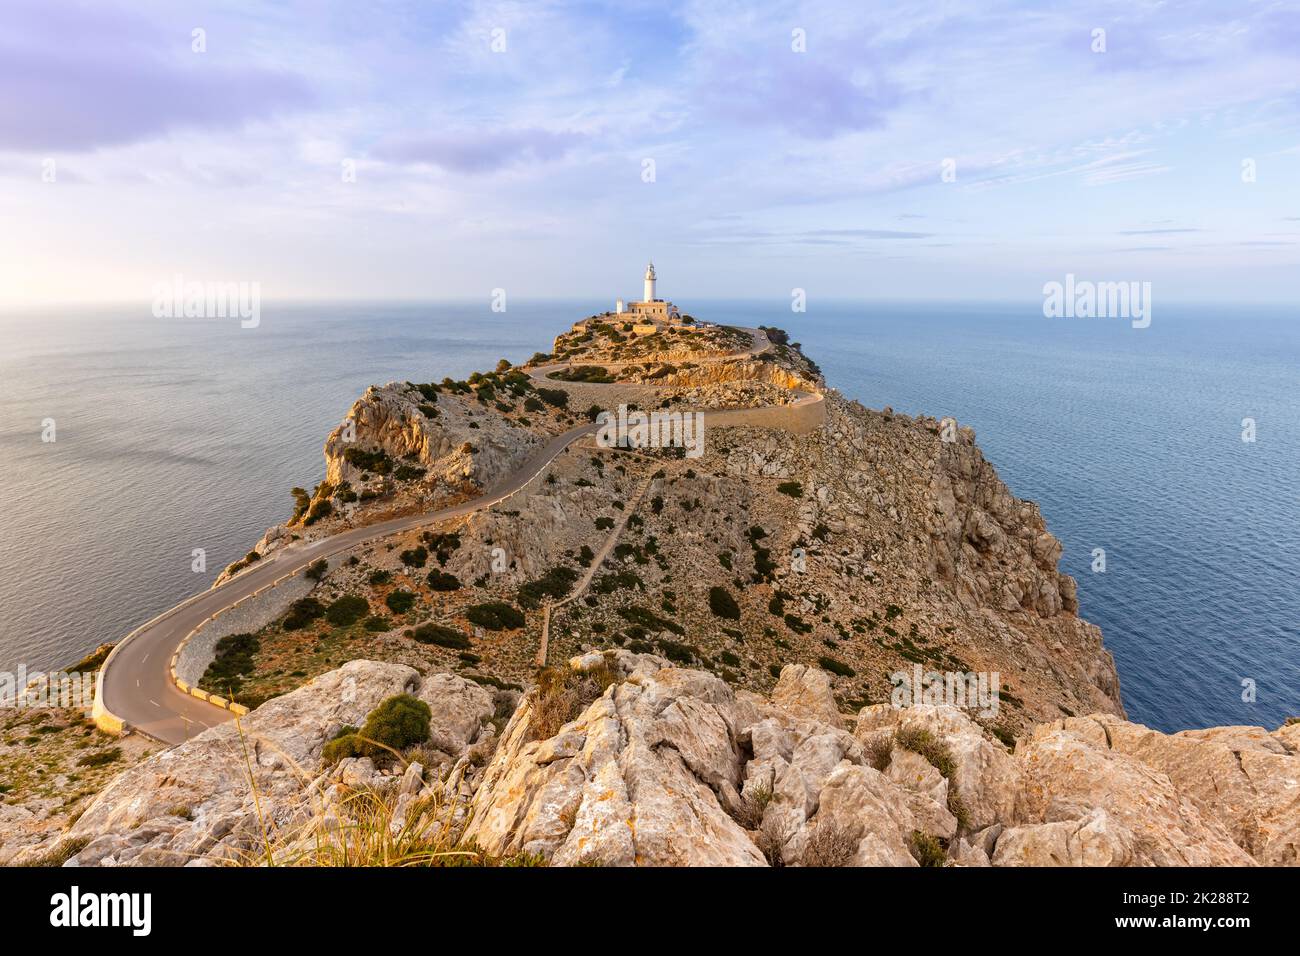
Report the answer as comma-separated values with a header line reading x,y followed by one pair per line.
x,y
928,150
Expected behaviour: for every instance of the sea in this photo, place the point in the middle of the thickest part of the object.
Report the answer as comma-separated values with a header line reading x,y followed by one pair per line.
x,y
1172,451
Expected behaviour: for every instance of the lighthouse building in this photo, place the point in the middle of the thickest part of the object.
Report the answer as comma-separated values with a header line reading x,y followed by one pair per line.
x,y
652,312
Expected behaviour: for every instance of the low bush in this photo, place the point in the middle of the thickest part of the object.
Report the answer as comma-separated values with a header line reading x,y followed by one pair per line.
x,y
722,604
232,661
415,557
836,667
347,610
321,508
555,583
555,397
101,759
301,613
442,581
400,601
927,850
440,635
648,619
397,723
495,616
376,461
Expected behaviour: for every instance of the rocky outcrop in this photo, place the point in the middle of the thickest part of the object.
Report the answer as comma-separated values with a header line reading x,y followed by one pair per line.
x,y
670,766
389,419
223,794
914,502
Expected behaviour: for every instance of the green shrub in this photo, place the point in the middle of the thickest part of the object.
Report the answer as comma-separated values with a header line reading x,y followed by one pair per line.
x,y
415,557
406,472
398,722
495,616
317,570
648,619
675,652
927,850
380,576
531,404
341,745
400,601
442,544
376,461
440,635
921,741
722,604
347,610
301,613
792,488
555,583
232,660
555,397
442,581
584,373
836,667
100,759
301,502
797,624
376,623
321,508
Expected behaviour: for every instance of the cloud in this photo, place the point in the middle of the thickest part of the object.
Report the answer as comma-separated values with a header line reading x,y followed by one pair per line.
x,y
811,96
481,152
1154,232
94,78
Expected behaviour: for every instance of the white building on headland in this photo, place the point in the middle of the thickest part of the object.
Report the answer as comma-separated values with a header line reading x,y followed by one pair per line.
x,y
652,313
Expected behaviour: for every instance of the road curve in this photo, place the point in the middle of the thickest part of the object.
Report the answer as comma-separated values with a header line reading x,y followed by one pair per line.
x,y
135,684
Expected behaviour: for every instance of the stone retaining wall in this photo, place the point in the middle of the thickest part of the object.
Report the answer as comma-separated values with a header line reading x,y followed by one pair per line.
x,y
249,615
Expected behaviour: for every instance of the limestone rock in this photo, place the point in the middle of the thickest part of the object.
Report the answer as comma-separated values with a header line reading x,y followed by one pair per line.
x,y
806,692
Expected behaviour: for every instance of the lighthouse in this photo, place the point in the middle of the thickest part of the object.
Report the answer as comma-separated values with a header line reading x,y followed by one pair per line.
x,y
651,314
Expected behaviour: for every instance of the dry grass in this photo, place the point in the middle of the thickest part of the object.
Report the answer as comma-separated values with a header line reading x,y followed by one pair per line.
x,y
563,693
750,812
880,751
771,838
829,845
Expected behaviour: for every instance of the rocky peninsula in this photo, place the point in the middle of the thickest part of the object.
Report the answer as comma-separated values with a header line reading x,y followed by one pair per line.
x,y
647,657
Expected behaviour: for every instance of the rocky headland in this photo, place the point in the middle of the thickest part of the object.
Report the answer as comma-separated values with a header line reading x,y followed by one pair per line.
x,y
649,657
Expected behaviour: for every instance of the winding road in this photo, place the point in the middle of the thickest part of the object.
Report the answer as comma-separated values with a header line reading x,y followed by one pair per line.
x,y
135,689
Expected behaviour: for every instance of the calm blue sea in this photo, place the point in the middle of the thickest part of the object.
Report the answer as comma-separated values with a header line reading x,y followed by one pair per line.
x,y
182,434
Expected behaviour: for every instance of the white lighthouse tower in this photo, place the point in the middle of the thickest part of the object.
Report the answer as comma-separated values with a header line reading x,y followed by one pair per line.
x,y
650,283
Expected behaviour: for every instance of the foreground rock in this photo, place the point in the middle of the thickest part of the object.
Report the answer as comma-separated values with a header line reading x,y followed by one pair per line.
x,y
217,796
623,759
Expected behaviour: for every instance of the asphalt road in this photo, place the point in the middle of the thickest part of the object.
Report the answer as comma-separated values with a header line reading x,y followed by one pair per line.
x,y
135,682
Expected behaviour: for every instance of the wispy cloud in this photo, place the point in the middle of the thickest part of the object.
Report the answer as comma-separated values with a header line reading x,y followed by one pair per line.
x,y
480,151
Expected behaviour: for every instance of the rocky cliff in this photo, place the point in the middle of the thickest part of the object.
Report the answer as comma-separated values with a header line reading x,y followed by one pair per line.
x,y
623,759
743,616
